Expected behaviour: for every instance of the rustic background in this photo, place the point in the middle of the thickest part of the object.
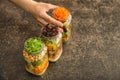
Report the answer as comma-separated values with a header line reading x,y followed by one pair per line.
x,y
92,53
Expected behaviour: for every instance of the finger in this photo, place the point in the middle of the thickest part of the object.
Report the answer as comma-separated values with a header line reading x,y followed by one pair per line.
x,y
60,30
42,21
52,20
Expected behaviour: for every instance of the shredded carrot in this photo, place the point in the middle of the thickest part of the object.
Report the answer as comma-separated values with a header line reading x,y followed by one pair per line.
x,y
41,68
61,14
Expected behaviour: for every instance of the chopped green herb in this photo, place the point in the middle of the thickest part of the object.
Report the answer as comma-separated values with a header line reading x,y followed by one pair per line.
x,y
33,45
36,63
64,34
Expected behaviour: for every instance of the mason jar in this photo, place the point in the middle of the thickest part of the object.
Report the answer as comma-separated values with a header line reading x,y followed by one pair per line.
x,y
35,55
53,42
63,15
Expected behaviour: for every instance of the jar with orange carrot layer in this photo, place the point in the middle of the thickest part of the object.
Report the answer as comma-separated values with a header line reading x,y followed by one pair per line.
x,y
63,15
35,55
53,40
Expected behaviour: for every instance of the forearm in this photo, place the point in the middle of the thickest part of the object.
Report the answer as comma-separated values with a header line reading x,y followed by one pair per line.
x,y
25,4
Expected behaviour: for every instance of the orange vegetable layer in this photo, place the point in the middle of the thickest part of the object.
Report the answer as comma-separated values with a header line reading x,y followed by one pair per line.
x,y
61,14
56,54
41,68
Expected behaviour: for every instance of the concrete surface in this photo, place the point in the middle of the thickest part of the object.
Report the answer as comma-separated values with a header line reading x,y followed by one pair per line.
x,y
93,52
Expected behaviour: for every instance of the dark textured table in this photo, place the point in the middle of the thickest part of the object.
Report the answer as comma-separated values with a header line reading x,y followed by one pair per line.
x,y
92,53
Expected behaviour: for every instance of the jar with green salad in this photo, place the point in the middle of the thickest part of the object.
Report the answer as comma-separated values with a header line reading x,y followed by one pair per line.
x,y
52,37
35,55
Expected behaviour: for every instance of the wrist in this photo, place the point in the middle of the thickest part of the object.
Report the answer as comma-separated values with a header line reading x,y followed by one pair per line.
x,y
30,6
27,5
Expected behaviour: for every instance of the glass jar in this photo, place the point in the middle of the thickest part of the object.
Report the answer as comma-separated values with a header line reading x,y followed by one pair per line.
x,y
54,44
65,17
35,55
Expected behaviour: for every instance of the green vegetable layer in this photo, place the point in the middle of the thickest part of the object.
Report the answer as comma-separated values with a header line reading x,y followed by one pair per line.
x,y
33,45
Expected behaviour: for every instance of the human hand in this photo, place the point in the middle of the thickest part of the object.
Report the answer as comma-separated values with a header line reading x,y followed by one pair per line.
x,y
40,13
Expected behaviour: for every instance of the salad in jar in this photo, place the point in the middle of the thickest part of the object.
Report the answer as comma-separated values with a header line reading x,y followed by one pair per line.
x,y
63,15
53,40
35,55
